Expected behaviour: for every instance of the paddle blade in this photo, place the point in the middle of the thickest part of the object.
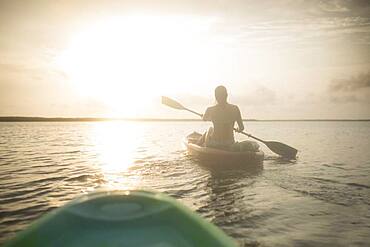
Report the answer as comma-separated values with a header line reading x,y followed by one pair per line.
x,y
172,103
282,149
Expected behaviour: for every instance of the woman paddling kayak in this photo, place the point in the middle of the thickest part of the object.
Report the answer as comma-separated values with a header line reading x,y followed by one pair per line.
x,y
223,116
279,148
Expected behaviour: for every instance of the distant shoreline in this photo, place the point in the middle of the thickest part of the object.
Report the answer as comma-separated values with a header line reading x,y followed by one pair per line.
x,y
62,119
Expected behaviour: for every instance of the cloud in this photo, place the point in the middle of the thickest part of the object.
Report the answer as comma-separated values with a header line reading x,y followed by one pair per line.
x,y
354,89
261,95
344,99
357,7
333,6
11,68
258,96
351,84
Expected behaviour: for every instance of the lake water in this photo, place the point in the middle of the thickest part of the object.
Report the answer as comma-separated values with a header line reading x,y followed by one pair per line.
x,y
322,198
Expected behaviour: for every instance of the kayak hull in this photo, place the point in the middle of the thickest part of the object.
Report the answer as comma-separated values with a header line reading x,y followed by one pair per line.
x,y
122,218
219,157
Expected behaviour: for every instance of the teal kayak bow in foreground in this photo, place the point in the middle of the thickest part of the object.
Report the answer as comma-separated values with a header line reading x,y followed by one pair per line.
x,y
122,218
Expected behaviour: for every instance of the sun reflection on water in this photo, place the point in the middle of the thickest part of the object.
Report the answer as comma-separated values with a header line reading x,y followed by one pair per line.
x,y
116,144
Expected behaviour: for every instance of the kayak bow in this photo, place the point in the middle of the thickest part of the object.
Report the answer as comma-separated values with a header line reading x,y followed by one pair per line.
x,y
122,218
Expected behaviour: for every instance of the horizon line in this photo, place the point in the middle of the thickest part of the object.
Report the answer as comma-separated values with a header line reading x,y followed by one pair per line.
x,y
94,119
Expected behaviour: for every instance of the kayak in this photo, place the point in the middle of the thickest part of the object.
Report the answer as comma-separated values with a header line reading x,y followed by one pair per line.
x,y
215,156
122,218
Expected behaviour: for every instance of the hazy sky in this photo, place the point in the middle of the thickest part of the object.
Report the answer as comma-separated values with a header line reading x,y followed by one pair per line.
x,y
280,59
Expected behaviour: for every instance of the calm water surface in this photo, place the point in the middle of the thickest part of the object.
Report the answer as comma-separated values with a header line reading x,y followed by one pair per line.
x,y
323,198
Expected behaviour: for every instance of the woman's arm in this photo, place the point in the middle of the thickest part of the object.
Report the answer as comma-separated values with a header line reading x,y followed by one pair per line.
x,y
239,120
207,115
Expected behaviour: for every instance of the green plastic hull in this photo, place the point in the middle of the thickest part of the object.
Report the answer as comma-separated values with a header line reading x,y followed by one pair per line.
x,y
122,218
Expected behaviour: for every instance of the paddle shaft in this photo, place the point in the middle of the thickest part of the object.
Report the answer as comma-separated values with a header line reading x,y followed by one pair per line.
x,y
249,135
200,115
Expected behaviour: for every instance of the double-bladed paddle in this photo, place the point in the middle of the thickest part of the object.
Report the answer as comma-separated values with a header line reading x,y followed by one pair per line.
x,y
276,147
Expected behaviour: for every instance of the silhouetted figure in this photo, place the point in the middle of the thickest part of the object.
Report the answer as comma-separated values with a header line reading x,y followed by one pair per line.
x,y
223,116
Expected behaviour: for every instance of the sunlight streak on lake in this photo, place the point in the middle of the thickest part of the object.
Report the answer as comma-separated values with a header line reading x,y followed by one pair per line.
x,y
116,144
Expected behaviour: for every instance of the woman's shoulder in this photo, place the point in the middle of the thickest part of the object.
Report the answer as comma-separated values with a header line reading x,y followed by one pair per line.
x,y
234,107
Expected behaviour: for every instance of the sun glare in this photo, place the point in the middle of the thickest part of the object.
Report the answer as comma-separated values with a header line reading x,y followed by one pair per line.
x,y
116,144
136,58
